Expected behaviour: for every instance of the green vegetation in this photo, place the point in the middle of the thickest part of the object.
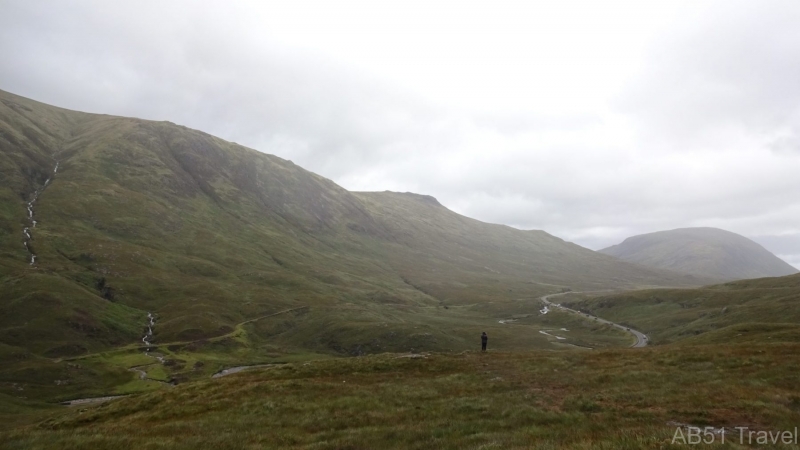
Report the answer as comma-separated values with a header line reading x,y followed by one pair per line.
x,y
278,339
760,310
244,258
600,399
208,235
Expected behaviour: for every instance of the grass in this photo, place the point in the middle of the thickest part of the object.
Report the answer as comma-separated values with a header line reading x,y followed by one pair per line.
x,y
218,240
154,217
599,399
747,311
274,339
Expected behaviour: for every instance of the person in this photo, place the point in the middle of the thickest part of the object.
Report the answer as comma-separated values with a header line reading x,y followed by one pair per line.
x,y
484,341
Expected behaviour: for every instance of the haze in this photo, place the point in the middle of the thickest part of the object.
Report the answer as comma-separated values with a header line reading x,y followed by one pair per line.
x,y
591,120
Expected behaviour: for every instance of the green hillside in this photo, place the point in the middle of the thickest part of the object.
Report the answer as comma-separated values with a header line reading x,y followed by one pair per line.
x,y
209,236
245,258
747,311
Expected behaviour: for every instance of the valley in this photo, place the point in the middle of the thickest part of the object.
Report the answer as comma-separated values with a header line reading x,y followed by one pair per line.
x,y
150,218
173,280
640,338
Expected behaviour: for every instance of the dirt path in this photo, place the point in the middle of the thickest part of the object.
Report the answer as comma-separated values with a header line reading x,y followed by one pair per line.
x,y
641,338
147,344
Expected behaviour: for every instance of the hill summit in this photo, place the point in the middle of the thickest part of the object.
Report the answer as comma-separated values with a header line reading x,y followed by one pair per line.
x,y
707,252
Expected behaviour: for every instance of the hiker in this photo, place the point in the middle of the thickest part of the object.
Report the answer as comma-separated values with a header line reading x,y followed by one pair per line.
x,y
484,340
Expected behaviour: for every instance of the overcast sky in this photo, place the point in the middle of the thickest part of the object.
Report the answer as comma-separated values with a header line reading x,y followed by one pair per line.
x,y
592,120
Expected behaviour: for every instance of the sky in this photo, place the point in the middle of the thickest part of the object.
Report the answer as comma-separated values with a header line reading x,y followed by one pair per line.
x,y
593,121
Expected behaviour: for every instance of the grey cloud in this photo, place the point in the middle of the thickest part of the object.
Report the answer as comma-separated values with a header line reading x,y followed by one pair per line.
x,y
732,66
786,145
514,123
301,105
786,246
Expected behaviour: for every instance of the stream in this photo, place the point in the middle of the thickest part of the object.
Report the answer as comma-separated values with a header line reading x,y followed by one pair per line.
x,y
641,338
237,369
149,334
31,217
88,401
139,370
147,340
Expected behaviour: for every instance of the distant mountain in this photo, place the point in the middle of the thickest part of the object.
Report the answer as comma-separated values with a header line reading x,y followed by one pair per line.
x,y
707,252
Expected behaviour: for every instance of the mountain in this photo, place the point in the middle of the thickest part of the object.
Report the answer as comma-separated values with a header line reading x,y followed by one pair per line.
x,y
707,252
240,256
118,232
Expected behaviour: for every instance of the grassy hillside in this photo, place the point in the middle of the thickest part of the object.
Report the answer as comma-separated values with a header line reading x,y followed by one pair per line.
x,y
151,217
441,247
760,310
708,252
608,399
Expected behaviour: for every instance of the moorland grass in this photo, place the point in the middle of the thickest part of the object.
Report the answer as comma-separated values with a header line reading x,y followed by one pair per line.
x,y
598,399
759,310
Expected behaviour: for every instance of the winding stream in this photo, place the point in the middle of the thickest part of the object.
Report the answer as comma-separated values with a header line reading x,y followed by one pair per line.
x,y
237,369
31,217
149,334
87,401
641,338
147,340
545,332
139,370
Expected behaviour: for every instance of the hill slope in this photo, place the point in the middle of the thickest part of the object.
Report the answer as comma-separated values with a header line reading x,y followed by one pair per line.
x,y
746,311
608,399
150,217
708,252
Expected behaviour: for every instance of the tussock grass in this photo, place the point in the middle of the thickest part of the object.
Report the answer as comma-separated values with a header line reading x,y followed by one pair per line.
x,y
599,399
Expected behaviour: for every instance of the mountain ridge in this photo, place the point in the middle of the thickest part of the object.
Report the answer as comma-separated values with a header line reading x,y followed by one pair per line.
x,y
147,216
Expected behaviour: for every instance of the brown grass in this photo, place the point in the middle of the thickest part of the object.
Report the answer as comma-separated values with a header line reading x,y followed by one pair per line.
x,y
598,399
